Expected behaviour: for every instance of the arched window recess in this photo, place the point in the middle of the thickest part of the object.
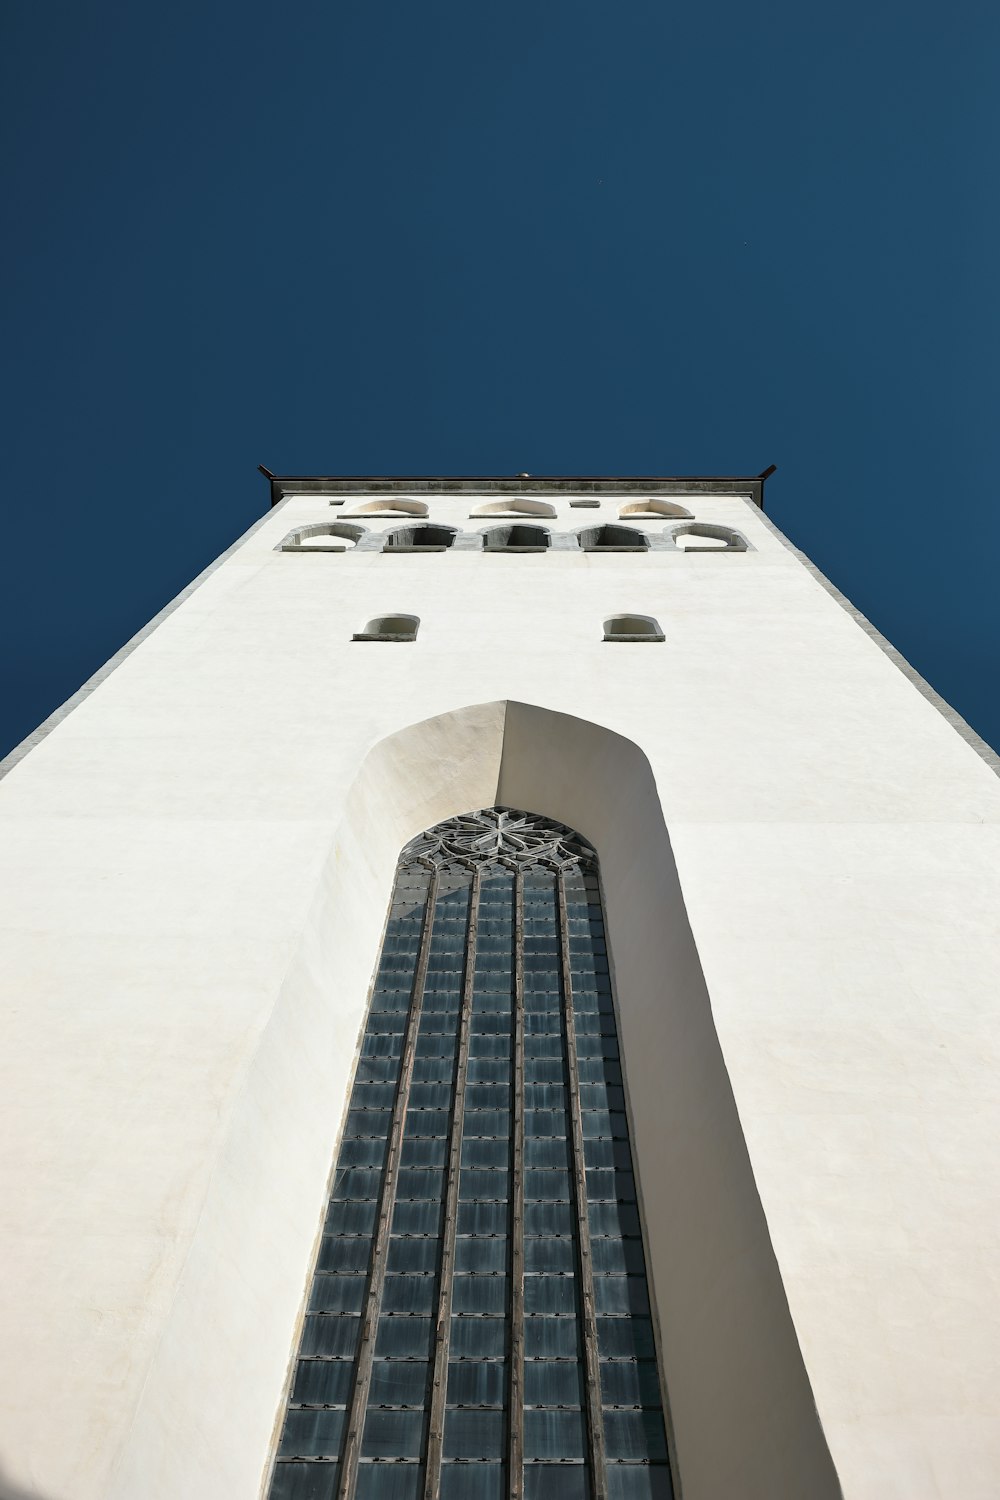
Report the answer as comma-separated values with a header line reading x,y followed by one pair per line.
x,y
390,628
484,1223
420,539
655,508
517,538
611,538
389,507
517,507
703,536
322,536
634,628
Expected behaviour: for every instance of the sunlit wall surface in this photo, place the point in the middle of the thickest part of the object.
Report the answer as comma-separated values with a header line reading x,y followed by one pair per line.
x,y
478,1322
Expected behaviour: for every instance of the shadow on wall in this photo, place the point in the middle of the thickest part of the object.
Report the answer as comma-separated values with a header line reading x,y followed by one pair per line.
x,y
11,1491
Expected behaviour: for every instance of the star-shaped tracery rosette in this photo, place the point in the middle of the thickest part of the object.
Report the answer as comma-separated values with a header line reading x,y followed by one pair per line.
x,y
501,833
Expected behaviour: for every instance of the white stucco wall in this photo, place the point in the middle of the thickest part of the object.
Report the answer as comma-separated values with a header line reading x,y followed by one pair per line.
x,y
194,866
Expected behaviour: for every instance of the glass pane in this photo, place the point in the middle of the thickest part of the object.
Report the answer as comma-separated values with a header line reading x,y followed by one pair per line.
x,y
482,1218
548,1218
422,1122
545,1122
553,1152
357,1182
344,1253
389,1482
351,1218
398,1382
609,1154
409,1294
392,1434
312,1434
488,1070
544,1096
485,1153
474,1434
621,1294
639,1482
628,1382
359,1152
556,1482
417,1218
476,1185
404,1338
330,1334
338,1293
617,1256
554,1434
323,1382
304,1482
478,1338
550,1294
613,1218
488,1122
625,1338
479,1294
408,1255
551,1338
477,1382
549,1254
420,1182
546,1185
617,1185
604,1122
481,1254
553,1382
424,1151
473,1482
638,1436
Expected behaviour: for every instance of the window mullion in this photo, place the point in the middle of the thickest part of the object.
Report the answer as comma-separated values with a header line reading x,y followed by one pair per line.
x,y
387,1200
515,1446
592,1371
439,1388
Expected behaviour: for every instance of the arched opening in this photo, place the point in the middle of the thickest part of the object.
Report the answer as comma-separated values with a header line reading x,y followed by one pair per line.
x,y
323,536
702,536
632,628
611,538
517,538
393,507
520,507
420,539
483,1216
653,507
742,1412
390,628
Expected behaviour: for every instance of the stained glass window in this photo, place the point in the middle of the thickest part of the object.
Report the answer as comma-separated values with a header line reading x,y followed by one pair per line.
x,y
478,1323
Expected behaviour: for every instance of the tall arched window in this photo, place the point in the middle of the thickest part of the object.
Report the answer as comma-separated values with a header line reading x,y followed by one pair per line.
x,y
478,1325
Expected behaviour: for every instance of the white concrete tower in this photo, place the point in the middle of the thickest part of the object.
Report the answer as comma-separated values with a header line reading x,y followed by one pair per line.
x,y
795,847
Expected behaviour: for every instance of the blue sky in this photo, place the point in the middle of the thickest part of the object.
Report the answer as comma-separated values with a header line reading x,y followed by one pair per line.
x,y
457,238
